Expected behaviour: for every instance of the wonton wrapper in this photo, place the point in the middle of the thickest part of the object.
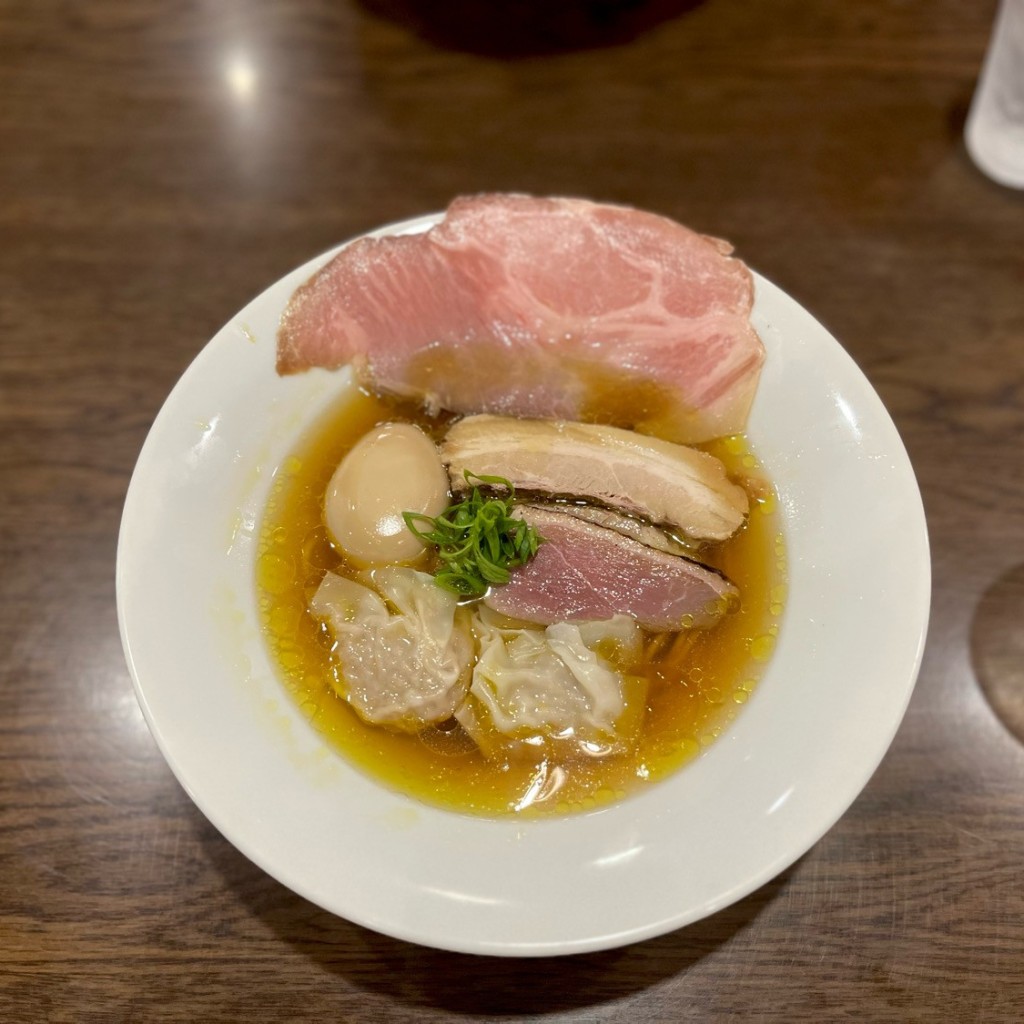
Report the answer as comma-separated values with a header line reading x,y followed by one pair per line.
x,y
404,668
533,688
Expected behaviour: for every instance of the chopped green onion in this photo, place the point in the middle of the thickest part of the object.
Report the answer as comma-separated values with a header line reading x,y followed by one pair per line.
x,y
477,539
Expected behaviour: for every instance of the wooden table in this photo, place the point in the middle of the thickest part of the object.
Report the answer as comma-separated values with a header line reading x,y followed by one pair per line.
x,y
161,164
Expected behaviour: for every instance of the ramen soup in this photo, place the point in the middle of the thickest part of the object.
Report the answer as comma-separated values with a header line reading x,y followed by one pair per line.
x,y
677,689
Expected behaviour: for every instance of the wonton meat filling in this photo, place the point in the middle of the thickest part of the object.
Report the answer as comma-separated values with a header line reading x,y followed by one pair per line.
x,y
404,668
410,667
533,688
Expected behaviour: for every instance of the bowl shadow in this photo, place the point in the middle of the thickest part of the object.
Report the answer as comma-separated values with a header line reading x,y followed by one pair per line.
x,y
997,648
415,975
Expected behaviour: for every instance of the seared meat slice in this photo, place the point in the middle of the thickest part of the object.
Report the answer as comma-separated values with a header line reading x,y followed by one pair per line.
x,y
669,485
544,308
584,572
629,526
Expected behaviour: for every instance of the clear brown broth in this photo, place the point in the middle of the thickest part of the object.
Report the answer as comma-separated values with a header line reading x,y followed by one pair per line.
x,y
696,680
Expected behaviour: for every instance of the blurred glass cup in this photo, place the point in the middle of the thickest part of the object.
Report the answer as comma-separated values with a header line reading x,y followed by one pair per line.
x,y
995,125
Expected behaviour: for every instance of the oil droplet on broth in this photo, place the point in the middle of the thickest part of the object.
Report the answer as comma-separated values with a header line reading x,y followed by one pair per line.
x,y
693,678
284,619
317,551
274,574
310,708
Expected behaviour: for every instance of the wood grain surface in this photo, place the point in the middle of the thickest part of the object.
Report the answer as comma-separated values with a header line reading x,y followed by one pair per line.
x,y
161,163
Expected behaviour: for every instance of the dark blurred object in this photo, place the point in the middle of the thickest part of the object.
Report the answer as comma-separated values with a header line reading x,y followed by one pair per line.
x,y
520,28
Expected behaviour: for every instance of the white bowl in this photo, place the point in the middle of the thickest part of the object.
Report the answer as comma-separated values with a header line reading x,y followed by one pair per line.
x,y
782,773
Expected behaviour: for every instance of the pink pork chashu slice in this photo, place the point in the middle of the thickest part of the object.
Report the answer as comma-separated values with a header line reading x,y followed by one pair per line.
x,y
541,308
584,572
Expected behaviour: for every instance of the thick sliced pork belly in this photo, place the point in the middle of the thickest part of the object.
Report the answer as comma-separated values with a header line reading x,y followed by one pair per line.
x,y
670,485
541,308
584,572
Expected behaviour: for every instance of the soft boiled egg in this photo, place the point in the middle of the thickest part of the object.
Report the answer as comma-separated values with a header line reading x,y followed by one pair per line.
x,y
395,468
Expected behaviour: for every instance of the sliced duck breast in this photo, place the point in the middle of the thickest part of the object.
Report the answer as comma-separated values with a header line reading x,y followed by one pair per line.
x,y
629,526
584,572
